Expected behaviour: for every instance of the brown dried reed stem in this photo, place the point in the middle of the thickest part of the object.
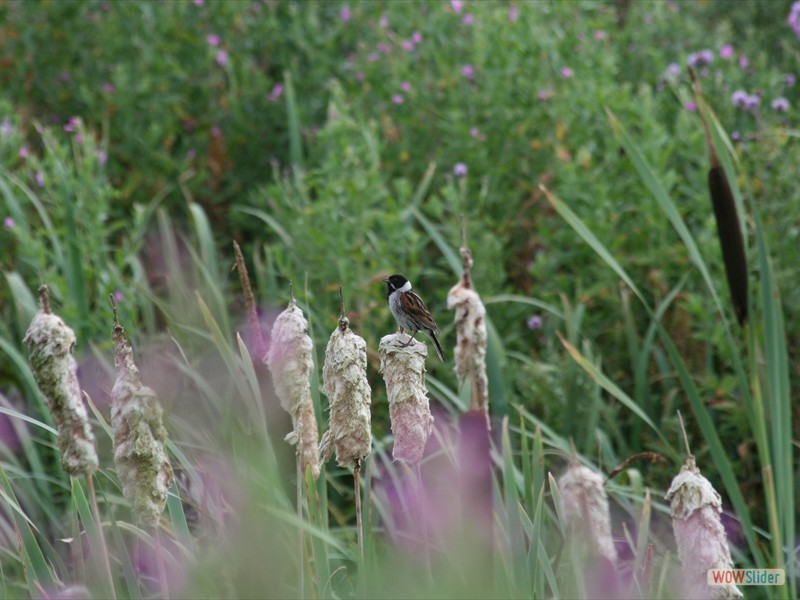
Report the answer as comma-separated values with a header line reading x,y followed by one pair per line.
x,y
250,305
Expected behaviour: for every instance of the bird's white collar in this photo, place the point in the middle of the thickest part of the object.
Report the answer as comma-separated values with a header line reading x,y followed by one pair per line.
x,y
406,287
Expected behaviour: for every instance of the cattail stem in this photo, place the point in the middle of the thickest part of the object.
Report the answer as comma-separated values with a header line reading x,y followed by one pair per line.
x,y
300,549
359,525
100,538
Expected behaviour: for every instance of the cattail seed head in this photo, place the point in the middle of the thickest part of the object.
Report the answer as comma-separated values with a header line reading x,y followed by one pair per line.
x,y
290,362
140,459
50,342
470,352
344,380
584,504
403,369
695,507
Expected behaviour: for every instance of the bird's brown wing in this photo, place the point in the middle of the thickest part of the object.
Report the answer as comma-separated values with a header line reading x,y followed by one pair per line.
x,y
415,307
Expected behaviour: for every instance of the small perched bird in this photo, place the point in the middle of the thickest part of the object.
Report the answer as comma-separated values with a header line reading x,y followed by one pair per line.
x,y
410,312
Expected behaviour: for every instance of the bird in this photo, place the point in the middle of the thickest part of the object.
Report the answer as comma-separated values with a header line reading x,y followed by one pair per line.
x,y
410,312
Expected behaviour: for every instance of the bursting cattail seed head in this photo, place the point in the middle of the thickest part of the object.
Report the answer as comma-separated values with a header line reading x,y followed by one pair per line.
x,y
695,507
50,342
471,336
403,369
344,381
584,504
290,362
140,459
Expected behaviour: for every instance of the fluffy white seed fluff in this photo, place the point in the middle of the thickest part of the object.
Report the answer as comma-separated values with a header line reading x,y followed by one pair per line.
x,y
140,459
290,362
344,381
695,507
50,342
470,352
403,369
584,504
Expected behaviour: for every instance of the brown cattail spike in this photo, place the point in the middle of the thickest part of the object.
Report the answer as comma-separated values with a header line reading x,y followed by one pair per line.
x,y
727,217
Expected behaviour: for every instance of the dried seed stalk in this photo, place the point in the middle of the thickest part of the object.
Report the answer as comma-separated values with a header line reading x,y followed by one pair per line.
x,y
344,381
702,545
50,342
140,459
470,352
403,369
290,362
584,504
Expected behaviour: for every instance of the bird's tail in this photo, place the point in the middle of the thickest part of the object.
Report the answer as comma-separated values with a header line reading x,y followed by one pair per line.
x,y
439,350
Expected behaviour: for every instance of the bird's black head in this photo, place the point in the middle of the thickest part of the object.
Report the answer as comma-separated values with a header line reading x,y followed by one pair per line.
x,y
395,282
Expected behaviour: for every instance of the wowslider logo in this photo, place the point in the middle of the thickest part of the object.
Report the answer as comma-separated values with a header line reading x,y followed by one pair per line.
x,y
745,577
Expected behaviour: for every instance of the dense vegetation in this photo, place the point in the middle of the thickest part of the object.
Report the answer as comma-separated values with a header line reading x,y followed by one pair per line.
x,y
339,143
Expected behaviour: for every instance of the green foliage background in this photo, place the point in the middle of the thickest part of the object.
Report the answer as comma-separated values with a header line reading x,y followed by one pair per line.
x,y
325,140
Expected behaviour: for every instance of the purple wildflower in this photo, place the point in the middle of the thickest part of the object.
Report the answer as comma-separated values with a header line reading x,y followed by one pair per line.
x,y
384,48
384,21
599,34
752,103
468,19
545,94
8,222
743,62
794,18
566,72
457,6
71,125
6,129
345,15
360,76
726,51
213,39
405,86
790,79
408,45
397,99
739,98
513,13
23,152
780,104
534,323
673,70
372,56
39,178
416,37
700,59
108,87
460,170
102,157
221,58
690,106
736,136
117,296
276,92
199,2
468,71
